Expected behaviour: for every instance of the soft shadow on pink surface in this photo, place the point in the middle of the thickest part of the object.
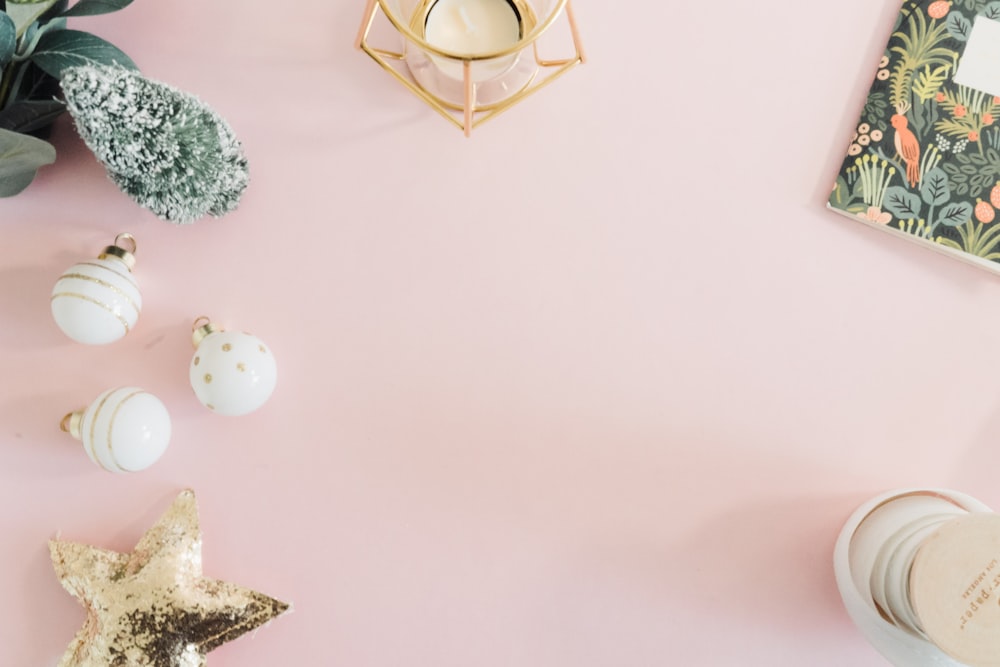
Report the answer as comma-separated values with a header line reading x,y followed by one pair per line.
x,y
750,573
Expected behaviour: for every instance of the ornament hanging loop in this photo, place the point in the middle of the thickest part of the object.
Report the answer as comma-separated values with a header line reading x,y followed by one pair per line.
x,y
124,238
123,250
202,327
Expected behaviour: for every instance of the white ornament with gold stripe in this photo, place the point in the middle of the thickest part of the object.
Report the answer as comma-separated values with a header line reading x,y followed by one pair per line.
x,y
123,430
98,302
232,372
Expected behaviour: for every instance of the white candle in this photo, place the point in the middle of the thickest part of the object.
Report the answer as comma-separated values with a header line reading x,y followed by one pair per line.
x,y
473,28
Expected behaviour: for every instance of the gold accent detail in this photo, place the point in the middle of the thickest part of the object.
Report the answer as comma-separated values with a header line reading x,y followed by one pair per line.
x,y
197,360
111,425
102,283
71,424
241,367
262,349
202,328
95,302
125,255
93,426
208,378
226,347
125,236
123,276
210,406
472,115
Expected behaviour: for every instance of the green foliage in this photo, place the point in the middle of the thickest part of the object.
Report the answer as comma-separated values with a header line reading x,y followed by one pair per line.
x,y
8,39
976,239
875,109
971,173
934,187
30,115
59,49
955,214
959,27
902,203
35,49
929,81
920,45
94,7
20,157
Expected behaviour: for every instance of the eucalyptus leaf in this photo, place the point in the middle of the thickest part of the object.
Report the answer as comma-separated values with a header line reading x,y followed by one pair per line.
x,y
57,8
94,7
60,49
24,14
20,157
8,39
30,115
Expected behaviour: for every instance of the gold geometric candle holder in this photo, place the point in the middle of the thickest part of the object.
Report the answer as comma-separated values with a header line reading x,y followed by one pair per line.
x,y
471,60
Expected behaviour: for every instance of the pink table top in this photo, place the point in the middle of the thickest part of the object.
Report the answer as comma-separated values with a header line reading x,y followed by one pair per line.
x,y
598,386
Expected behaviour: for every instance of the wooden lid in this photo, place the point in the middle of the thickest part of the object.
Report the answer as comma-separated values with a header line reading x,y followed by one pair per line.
x,y
955,588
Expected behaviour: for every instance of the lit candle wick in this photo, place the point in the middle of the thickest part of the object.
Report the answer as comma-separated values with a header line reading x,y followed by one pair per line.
x,y
469,27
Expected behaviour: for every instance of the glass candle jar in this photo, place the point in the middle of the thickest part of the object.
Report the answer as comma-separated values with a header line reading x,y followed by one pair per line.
x,y
471,56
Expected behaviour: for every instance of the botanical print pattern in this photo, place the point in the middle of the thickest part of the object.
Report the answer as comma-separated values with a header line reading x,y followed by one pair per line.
x,y
925,156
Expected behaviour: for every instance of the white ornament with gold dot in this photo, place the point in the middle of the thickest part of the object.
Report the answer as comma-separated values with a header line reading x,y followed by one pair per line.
x,y
123,430
98,302
232,372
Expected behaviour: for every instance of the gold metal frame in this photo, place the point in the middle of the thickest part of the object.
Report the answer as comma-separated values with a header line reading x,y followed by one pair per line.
x,y
470,115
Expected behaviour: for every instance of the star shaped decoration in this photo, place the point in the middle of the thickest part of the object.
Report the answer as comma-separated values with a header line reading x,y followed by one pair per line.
x,y
152,607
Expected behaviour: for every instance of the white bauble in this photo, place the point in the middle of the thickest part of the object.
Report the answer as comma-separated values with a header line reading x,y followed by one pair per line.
x,y
123,430
232,373
98,302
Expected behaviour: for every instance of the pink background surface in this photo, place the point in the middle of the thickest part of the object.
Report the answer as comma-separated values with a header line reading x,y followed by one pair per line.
x,y
596,387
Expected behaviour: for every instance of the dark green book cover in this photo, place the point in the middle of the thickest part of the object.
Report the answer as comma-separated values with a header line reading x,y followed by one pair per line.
x,y
924,161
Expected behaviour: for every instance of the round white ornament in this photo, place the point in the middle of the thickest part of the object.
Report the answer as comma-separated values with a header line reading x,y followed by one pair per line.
x,y
232,372
123,430
98,302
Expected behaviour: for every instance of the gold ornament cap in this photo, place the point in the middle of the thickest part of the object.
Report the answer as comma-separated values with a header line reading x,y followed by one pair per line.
x,y
955,588
202,328
123,250
72,424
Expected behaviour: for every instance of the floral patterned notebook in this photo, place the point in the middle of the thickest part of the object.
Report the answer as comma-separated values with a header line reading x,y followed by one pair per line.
x,y
924,161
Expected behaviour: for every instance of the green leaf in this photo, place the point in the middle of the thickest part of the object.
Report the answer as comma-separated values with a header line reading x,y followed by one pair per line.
x,y
992,11
8,39
30,115
94,7
24,14
959,27
955,214
901,202
20,157
60,49
934,187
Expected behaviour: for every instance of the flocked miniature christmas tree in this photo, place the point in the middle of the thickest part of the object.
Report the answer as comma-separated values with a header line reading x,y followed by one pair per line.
x,y
164,148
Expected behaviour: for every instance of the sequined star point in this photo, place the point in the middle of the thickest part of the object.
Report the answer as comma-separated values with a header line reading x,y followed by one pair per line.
x,y
152,607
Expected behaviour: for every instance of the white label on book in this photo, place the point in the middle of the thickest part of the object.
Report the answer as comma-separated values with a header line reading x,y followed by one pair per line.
x,y
979,67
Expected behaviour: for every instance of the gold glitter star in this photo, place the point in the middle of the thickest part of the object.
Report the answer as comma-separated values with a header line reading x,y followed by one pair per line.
x,y
153,607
